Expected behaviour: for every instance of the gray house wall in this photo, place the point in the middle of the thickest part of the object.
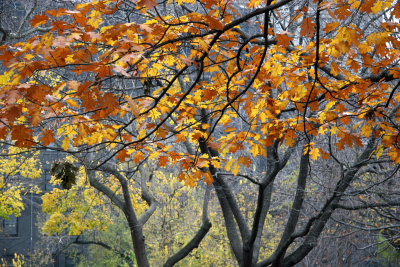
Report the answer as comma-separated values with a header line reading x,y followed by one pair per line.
x,y
27,234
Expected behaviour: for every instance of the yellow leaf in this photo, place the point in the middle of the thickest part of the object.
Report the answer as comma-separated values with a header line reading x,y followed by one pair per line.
x,y
216,163
203,45
333,130
228,165
72,103
314,153
366,130
235,169
378,6
65,143
95,18
322,130
4,78
329,105
254,150
379,151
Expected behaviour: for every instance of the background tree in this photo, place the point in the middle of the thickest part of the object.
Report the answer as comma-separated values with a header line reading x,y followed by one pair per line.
x,y
18,169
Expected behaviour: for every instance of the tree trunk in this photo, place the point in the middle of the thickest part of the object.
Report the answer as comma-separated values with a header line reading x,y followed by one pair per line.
x,y
137,241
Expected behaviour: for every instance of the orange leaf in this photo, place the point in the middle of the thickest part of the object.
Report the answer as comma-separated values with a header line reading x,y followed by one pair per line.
x,y
181,176
57,12
367,5
39,19
209,3
3,131
283,40
331,26
147,3
7,57
12,112
209,94
396,11
122,154
163,160
34,117
22,136
213,22
181,137
307,28
325,155
342,12
139,156
48,137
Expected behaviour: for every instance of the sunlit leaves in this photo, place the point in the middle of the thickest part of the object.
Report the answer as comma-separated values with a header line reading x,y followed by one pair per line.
x,y
78,201
204,91
17,171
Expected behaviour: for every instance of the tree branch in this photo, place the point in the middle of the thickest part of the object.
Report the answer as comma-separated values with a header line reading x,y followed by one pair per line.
x,y
115,199
294,212
195,241
104,245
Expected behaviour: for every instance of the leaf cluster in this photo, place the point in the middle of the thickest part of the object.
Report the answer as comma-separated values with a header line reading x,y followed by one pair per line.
x,y
66,172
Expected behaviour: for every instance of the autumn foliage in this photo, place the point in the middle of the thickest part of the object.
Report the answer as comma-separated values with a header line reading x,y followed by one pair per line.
x,y
62,76
172,87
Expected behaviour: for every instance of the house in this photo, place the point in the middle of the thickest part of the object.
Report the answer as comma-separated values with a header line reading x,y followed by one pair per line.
x,y
21,235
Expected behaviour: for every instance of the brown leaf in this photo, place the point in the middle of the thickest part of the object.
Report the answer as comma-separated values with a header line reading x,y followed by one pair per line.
x,y
307,28
39,19
22,136
147,3
283,40
162,161
122,154
48,137
213,22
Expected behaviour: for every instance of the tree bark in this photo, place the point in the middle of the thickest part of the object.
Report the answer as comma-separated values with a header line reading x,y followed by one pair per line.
x,y
294,212
194,243
135,227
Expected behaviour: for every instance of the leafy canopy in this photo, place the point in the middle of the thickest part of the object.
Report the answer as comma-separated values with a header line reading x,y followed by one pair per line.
x,y
17,171
95,82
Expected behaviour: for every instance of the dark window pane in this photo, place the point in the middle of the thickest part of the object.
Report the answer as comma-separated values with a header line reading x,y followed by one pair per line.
x,y
10,226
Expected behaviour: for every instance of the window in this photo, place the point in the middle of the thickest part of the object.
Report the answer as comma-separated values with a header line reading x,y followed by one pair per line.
x,y
10,226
